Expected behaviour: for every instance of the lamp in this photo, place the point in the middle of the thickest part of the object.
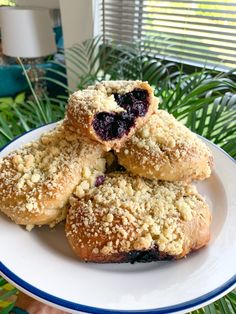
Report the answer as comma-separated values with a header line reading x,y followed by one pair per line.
x,y
27,33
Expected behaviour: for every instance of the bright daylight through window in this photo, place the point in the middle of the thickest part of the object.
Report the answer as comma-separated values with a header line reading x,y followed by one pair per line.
x,y
197,32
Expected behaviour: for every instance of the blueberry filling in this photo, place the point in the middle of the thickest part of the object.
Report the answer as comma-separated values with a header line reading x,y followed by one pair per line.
x,y
147,256
109,126
112,125
100,180
135,102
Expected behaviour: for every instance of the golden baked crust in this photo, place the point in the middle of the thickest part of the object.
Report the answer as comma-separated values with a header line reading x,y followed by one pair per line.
x,y
84,105
165,149
127,216
37,180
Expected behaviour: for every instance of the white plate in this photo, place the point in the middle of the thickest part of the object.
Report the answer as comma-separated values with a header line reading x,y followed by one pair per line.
x,y
41,263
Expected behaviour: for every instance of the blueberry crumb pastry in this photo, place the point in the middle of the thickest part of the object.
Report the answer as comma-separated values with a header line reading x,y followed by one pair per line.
x,y
131,219
165,149
109,112
37,180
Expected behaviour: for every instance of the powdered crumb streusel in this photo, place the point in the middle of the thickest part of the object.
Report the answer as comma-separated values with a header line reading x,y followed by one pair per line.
x,y
38,179
132,213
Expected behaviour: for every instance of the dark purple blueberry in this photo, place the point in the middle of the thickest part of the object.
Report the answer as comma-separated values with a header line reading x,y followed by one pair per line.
x,y
117,97
126,100
140,94
102,124
127,116
139,109
112,125
109,119
135,102
121,126
100,180
147,256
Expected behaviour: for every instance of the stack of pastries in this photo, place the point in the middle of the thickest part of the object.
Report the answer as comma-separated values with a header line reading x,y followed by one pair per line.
x,y
119,171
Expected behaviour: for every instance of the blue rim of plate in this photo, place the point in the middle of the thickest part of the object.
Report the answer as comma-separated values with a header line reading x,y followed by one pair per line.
x,y
197,302
89,309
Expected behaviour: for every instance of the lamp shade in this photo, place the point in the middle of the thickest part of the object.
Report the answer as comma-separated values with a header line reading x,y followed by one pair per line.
x,y
26,33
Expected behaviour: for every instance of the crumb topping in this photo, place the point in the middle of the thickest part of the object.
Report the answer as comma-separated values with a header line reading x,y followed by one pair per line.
x,y
162,132
93,101
89,175
130,213
111,87
46,170
99,97
163,140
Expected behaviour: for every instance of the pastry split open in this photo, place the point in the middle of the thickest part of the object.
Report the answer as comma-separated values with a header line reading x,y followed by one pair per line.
x,y
111,111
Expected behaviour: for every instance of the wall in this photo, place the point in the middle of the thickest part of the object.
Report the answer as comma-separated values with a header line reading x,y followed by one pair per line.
x,y
78,25
77,21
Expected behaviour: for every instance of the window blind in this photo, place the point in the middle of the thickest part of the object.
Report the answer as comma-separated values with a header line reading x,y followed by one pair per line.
x,y
199,32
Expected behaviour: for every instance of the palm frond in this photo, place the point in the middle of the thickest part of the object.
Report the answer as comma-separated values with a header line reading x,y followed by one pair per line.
x,y
226,305
7,296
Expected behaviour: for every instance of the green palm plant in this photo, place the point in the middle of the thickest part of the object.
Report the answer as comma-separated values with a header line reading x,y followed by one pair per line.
x,y
204,100
7,296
